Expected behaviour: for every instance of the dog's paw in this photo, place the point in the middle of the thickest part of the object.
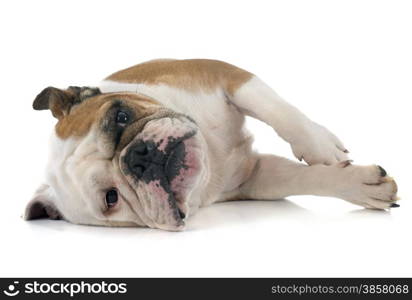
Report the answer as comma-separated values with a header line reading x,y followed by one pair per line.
x,y
367,186
317,145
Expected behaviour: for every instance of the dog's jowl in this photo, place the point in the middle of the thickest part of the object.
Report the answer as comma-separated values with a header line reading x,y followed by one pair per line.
x,y
157,141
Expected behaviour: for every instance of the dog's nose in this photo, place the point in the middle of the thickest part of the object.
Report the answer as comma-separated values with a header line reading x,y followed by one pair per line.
x,y
143,157
138,158
141,149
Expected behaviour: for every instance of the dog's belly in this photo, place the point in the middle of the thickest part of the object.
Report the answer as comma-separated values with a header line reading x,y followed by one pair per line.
x,y
221,124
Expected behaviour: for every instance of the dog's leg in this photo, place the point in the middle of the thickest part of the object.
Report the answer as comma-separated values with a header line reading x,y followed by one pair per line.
x,y
276,177
309,140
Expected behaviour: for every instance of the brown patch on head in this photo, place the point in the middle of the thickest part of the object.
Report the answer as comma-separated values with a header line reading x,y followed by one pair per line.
x,y
83,116
60,101
77,109
190,74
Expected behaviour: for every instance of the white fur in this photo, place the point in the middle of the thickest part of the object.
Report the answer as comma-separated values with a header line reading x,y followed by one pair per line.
x,y
75,174
79,170
309,141
221,124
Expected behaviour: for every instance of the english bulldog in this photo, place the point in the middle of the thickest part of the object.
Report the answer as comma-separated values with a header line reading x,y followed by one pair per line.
x,y
157,141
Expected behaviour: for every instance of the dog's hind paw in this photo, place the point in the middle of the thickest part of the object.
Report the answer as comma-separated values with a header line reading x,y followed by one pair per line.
x,y
369,186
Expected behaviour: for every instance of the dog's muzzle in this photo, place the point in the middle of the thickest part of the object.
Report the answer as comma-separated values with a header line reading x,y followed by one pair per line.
x,y
162,163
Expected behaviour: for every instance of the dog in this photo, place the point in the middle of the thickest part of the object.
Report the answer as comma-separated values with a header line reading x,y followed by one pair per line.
x,y
157,141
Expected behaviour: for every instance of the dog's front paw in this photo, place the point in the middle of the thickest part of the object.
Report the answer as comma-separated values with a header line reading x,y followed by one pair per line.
x,y
367,186
317,145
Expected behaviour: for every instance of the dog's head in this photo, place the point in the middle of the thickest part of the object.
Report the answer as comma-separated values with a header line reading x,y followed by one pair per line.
x,y
118,159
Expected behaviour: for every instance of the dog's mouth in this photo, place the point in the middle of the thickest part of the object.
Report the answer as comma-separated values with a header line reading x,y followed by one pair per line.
x,y
165,168
174,162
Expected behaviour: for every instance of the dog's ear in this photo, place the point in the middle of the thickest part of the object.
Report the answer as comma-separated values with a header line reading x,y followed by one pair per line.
x,y
42,205
61,101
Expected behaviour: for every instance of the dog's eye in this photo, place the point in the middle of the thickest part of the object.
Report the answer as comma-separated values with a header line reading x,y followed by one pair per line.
x,y
122,118
111,198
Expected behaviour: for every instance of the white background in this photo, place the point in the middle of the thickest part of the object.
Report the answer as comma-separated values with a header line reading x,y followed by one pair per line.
x,y
346,64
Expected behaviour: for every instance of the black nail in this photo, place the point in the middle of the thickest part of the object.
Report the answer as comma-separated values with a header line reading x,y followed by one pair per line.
x,y
395,205
181,214
346,151
383,172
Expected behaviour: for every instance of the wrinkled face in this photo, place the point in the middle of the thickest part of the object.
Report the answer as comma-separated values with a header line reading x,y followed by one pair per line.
x,y
123,160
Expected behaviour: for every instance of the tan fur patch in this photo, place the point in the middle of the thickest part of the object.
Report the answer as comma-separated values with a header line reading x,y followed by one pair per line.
x,y
82,116
190,74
